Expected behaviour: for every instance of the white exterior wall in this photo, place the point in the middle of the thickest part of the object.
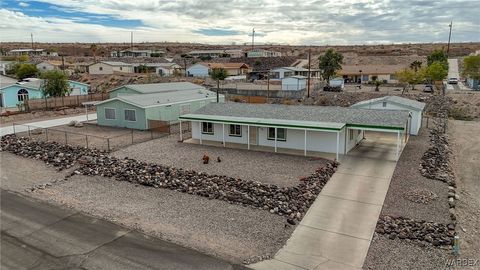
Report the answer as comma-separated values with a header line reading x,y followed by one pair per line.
x,y
357,137
123,69
291,83
416,121
197,71
45,66
95,69
218,135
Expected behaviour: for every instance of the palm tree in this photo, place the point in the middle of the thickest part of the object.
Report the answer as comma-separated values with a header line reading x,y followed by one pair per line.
x,y
94,48
219,74
416,65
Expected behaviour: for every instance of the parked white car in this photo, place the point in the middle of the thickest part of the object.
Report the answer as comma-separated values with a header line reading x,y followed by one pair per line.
x,y
452,81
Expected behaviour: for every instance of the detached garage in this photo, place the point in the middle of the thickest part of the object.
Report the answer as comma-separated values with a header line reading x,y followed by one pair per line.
x,y
397,103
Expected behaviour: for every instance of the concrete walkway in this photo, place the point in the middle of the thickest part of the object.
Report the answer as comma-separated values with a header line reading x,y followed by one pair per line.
x,y
47,123
337,229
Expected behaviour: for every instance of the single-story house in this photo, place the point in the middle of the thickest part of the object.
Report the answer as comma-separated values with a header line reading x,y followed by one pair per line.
x,y
217,53
52,65
110,67
203,69
284,72
137,53
306,128
397,103
149,88
263,53
31,88
32,52
145,111
368,73
294,83
162,69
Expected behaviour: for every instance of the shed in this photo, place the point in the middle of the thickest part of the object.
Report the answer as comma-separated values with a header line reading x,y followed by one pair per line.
x,y
198,70
295,83
149,88
109,67
143,111
415,108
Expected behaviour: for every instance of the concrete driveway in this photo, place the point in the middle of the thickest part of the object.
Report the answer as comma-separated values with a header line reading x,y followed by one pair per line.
x,y
337,229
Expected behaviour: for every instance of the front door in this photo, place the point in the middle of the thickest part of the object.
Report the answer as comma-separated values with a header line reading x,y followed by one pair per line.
x,y
253,135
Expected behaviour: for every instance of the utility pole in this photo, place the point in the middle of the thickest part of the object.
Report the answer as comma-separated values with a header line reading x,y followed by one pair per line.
x,y
31,38
253,38
268,84
449,36
131,40
308,78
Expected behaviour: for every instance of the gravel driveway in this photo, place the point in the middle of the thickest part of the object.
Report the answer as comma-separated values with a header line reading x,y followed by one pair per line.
x,y
279,169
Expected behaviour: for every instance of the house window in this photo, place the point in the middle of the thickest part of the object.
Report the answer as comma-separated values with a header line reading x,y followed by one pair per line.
x,y
100,68
384,104
281,134
130,115
207,128
22,95
393,77
109,114
120,68
235,130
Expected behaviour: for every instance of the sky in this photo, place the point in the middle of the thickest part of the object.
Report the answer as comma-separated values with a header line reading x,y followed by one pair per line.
x,y
318,22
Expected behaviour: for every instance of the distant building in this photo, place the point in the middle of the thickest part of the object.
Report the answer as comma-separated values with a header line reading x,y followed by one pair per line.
x,y
53,65
31,88
162,69
203,69
368,73
217,53
294,83
263,53
110,67
284,72
42,52
137,53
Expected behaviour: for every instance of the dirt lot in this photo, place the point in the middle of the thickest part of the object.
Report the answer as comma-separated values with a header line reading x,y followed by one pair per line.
x,y
388,254
466,147
92,135
40,115
279,169
229,231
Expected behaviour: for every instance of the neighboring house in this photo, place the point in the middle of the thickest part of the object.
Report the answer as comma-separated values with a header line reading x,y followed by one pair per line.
x,y
203,69
53,65
283,72
415,108
369,73
42,52
305,128
31,88
110,67
294,83
217,53
136,53
6,81
162,69
198,70
135,89
337,82
4,66
263,53
473,83
144,111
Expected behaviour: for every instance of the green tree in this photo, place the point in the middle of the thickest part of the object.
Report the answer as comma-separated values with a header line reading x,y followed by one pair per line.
x,y
219,74
416,65
23,58
471,67
438,56
55,83
26,71
410,77
437,71
330,63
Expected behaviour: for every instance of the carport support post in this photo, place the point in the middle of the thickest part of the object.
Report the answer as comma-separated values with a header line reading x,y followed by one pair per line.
x,y
248,137
275,140
305,144
398,144
181,133
338,143
223,134
200,129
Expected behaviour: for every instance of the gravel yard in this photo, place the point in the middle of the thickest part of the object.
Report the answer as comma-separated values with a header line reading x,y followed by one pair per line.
x,y
407,180
279,169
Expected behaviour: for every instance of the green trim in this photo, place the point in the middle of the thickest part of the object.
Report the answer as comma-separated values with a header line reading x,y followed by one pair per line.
x,y
372,126
257,124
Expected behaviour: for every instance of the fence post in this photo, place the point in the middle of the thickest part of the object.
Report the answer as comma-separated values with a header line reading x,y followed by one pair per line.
x,y
63,102
66,139
28,131
86,139
132,136
78,101
13,129
108,144
151,134
46,134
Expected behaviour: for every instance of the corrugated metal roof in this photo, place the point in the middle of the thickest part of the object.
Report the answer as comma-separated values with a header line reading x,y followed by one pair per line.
x,y
298,115
113,63
162,87
158,99
395,99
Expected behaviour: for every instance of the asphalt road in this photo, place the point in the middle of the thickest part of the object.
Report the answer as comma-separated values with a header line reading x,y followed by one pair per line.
x,y
36,235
